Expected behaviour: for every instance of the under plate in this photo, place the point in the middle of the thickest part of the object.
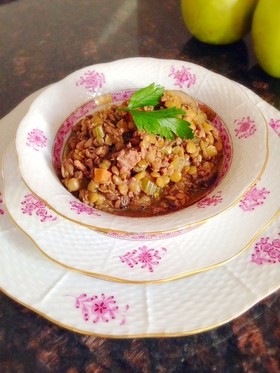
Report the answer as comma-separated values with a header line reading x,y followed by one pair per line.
x,y
80,248
93,306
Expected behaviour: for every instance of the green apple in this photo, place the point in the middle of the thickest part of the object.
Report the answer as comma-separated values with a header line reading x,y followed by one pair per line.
x,y
218,21
266,36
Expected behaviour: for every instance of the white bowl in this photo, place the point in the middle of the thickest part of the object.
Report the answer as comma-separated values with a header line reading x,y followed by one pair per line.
x,y
42,133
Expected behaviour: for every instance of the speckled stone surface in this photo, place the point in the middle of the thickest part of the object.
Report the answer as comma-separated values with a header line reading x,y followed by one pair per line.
x,y
41,41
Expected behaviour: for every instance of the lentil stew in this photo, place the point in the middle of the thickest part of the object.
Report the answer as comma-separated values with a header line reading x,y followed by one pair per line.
x,y
110,165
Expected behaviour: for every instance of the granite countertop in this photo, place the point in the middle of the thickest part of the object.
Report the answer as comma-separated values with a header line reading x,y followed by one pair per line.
x,y
41,42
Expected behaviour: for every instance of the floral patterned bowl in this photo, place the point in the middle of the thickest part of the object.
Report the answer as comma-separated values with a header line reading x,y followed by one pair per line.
x,y
42,133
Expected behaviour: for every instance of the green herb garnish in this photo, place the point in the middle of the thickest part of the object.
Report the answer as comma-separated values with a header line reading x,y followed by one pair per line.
x,y
148,96
162,122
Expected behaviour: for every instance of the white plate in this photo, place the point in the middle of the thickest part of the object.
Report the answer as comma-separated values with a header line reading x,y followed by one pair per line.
x,y
182,307
90,252
38,129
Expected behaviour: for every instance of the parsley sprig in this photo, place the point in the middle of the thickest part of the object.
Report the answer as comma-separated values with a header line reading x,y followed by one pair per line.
x,y
162,122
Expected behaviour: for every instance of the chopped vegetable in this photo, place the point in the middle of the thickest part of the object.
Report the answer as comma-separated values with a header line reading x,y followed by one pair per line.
x,y
149,187
98,132
101,175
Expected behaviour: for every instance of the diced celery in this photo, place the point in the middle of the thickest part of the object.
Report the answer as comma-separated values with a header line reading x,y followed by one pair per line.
x,y
98,132
149,187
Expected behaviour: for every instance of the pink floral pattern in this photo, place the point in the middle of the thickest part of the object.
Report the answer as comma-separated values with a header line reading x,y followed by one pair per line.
x,y
81,208
245,127
147,258
275,125
92,80
36,139
100,308
33,205
255,197
122,95
213,200
182,77
267,250
1,202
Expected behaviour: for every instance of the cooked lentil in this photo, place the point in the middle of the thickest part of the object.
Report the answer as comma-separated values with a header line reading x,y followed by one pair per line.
x,y
108,164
